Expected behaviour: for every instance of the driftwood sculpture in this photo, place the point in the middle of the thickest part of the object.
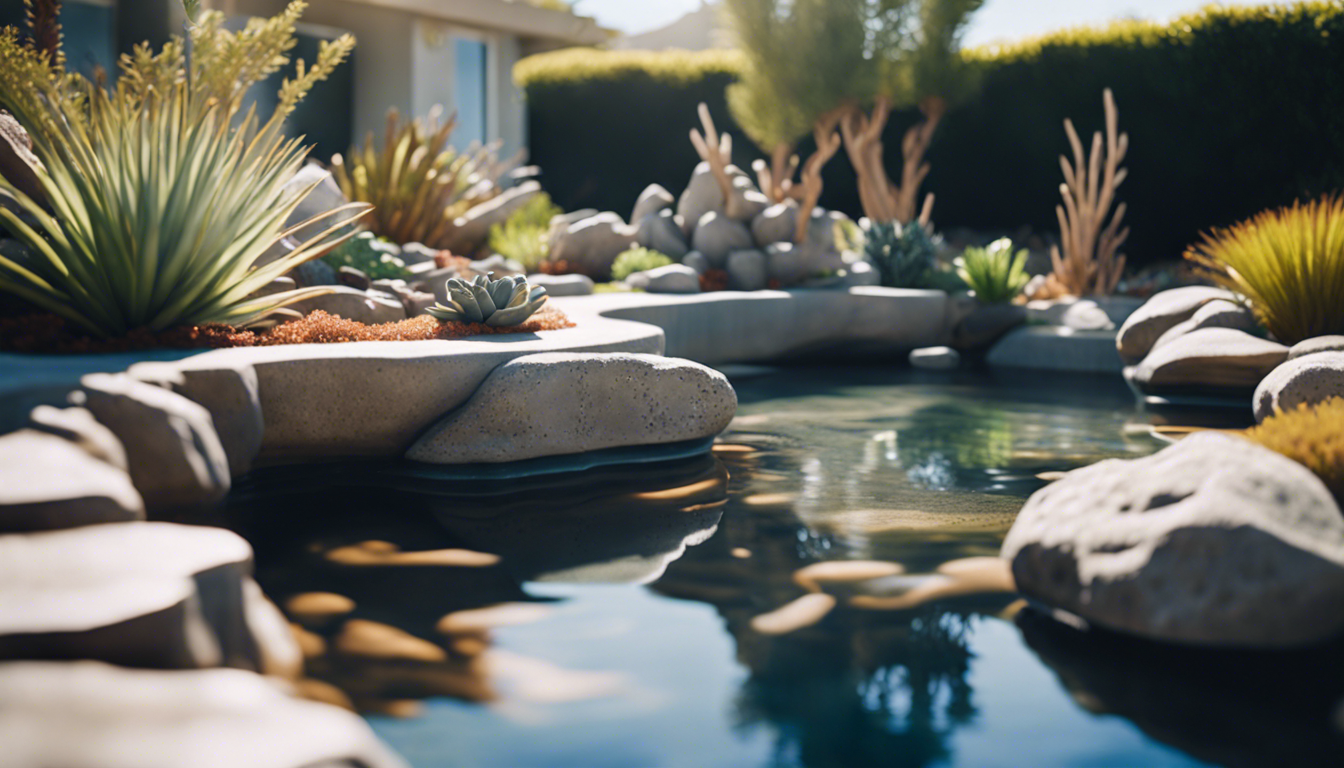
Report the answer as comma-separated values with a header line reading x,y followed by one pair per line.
x,y
717,150
1089,263
776,177
828,143
882,200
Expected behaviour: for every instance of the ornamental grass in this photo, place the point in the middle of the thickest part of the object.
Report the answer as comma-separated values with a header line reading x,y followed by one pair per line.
x,y
1310,435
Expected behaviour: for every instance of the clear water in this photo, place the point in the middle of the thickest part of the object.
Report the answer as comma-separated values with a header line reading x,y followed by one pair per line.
x,y
631,594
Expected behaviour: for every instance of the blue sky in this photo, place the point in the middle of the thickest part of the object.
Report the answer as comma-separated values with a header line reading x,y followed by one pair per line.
x,y
997,20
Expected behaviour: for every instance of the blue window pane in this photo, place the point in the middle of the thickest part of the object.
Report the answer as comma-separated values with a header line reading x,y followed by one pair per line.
x,y
469,90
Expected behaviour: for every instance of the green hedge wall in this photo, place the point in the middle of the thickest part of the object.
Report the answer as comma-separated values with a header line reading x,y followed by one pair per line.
x,y
1229,111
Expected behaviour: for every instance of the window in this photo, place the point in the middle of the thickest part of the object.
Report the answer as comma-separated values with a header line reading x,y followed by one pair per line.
x,y
454,67
469,91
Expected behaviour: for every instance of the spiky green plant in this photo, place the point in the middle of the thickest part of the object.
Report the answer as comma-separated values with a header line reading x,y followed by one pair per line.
x,y
995,274
1311,435
522,237
637,259
417,183
163,192
499,303
376,258
1288,263
905,256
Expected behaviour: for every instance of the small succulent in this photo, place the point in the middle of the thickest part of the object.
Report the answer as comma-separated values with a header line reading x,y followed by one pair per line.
x,y
996,274
499,303
903,254
376,258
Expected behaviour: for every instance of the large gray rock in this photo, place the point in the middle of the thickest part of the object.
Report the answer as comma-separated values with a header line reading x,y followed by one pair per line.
x,y
473,227
173,452
48,482
1305,381
145,594
1215,540
703,195
231,395
697,261
935,358
860,274
986,324
325,196
561,221
1219,313
80,427
563,285
601,401
775,224
353,304
673,278
417,253
1055,348
748,270
1216,358
91,715
716,236
653,199
791,264
1147,324
660,232
821,231
1315,346
312,274
591,246
1075,313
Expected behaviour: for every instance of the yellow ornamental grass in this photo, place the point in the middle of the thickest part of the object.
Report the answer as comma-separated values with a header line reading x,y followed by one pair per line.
x,y
1310,435
163,193
1288,263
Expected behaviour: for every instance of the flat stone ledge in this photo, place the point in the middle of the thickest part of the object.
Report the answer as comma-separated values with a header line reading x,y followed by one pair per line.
x,y
48,482
1056,348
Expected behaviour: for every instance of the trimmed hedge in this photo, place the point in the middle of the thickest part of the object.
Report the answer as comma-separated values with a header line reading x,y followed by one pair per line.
x,y
1229,111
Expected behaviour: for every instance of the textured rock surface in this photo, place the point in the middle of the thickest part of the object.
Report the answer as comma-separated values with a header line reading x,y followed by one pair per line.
x,y
563,285
353,304
986,324
1219,313
653,199
1215,540
661,232
90,715
1143,328
792,264
716,236
591,245
230,393
474,225
173,453
775,224
1307,380
697,261
600,401
1222,358
79,427
1054,348
1316,345
673,278
748,270
48,482
935,358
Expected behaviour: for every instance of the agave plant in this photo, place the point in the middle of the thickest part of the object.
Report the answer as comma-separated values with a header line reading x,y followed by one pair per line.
x,y
994,273
163,193
499,303
903,254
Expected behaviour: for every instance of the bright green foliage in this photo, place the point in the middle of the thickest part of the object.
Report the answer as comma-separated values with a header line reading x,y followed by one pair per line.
x,y
523,236
499,303
370,255
905,256
994,273
1288,263
1312,436
637,260
163,193
568,66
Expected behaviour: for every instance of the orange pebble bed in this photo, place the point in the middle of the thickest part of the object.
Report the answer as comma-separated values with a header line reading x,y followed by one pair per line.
x,y
51,334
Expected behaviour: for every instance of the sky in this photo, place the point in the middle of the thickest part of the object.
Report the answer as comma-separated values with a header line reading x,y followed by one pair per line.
x,y
996,20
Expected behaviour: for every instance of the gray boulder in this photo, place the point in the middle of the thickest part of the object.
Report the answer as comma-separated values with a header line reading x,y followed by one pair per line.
x,y
716,236
860,274
1305,381
1164,310
660,231
1078,314
987,324
821,230
172,450
563,285
748,270
1217,358
473,227
791,264
353,304
775,224
935,358
417,253
653,199
703,195
325,196
79,427
229,392
311,274
278,285
1218,313
1215,541
697,261
591,246
602,401
1316,345
498,264
353,278
561,221
48,482
673,278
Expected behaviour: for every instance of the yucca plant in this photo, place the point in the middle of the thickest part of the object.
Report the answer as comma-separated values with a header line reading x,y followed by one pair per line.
x,y
417,183
1288,263
163,192
994,273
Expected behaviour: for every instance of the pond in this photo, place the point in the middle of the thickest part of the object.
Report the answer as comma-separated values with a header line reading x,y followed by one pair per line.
x,y
606,618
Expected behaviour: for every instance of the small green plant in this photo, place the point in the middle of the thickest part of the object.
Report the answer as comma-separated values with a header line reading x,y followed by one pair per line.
x,y
1288,263
523,236
1310,435
374,257
904,255
637,259
499,303
163,192
995,274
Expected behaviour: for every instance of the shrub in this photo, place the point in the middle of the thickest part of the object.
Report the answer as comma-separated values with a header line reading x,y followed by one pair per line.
x,y
994,273
637,260
162,192
905,256
417,183
375,258
1288,263
523,236
1310,435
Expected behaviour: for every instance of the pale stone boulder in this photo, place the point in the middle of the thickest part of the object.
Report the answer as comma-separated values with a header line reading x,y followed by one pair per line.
x,y
473,226
229,392
601,401
697,261
563,285
174,455
91,715
1307,380
1214,541
1164,310
1220,358
1219,313
748,270
716,236
673,278
775,224
654,199
79,427
791,264
935,358
48,482
985,324
591,246
661,232
1316,345
353,304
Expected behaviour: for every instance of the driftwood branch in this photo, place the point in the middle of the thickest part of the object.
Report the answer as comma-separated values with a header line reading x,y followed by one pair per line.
x,y
828,143
776,177
716,150
883,200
